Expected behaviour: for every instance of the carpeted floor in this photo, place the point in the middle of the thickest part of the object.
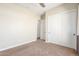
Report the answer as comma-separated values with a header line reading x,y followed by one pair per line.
x,y
39,48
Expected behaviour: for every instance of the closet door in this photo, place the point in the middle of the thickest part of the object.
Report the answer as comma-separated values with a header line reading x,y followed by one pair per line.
x,y
61,28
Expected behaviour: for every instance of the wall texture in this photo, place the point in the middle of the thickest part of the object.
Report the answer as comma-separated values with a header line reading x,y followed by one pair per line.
x,y
18,26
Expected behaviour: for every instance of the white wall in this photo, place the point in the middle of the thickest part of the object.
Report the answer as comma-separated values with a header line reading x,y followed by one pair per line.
x,y
78,22
61,25
42,29
18,25
38,29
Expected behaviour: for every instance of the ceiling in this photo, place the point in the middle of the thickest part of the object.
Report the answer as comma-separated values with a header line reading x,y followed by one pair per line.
x,y
37,8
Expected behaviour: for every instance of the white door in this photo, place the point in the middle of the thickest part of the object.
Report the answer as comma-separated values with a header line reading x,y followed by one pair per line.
x,y
61,29
42,29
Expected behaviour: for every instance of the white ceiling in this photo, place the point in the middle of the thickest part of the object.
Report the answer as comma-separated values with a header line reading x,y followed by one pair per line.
x,y
36,8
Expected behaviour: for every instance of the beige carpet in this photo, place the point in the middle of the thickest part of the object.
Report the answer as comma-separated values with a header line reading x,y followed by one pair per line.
x,y
39,48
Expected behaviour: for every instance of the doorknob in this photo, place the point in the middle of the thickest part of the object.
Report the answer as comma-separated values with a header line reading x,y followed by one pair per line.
x,y
74,34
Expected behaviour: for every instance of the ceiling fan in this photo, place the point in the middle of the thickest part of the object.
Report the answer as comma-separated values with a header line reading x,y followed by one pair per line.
x,y
42,5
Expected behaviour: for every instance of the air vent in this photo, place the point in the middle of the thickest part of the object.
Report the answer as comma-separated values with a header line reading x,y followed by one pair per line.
x,y
42,5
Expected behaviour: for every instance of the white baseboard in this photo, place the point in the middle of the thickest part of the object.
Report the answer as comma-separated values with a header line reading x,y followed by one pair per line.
x,y
15,45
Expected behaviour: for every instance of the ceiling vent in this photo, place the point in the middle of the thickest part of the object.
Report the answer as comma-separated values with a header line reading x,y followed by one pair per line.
x,y
42,5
